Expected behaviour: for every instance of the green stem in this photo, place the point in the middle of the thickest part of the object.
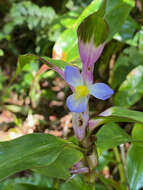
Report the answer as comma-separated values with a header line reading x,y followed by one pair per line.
x,y
124,164
93,186
120,166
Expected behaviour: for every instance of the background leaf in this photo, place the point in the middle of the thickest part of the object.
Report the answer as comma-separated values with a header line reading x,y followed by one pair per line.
x,y
134,165
110,136
23,60
131,90
117,114
128,60
114,11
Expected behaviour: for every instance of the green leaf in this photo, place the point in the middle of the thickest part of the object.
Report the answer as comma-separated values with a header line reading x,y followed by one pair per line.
x,y
91,8
137,41
27,58
76,183
118,114
111,135
134,164
116,14
137,134
23,186
104,159
131,90
22,61
17,109
66,46
126,32
28,152
52,62
34,179
134,159
128,60
60,168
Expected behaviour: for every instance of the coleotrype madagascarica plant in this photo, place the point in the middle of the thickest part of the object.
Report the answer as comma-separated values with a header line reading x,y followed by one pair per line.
x,y
80,158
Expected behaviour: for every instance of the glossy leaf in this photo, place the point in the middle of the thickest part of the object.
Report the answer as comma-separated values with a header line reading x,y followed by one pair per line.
x,y
127,30
117,114
60,167
134,159
66,46
134,164
116,14
128,60
111,135
131,90
91,8
27,152
137,134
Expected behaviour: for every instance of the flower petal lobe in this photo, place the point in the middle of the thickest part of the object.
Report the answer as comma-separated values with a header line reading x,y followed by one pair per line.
x,y
73,76
76,105
101,91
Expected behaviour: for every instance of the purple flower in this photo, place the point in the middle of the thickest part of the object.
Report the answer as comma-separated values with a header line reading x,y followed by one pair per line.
x,y
77,102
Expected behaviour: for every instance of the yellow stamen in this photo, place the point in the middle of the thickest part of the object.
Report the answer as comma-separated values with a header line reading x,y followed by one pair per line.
x,y
81,91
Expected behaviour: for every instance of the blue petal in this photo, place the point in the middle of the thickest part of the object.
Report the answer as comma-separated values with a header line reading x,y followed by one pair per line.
x,y
73,76
76,105
101,91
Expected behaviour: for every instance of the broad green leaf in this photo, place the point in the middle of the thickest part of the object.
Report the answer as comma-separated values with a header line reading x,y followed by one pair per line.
x,y
137,41
128,60
34,179
23,186
134,164
60,167
111,135
27,58
127,30
131,90
118,114
29,151
135,157
116,14
66,46
137,134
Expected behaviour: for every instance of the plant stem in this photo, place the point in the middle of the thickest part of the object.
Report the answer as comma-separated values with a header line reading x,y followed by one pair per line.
x,y
120,166
123,159
93,186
